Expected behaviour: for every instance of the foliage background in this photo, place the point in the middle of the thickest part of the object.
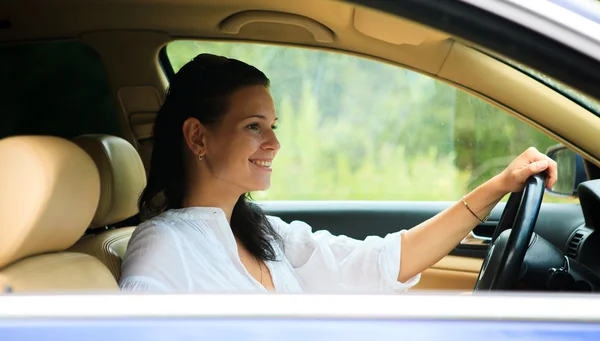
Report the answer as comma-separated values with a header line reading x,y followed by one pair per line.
x,y
357,129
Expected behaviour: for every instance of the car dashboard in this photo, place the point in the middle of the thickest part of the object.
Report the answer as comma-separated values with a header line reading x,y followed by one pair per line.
x,y
565,257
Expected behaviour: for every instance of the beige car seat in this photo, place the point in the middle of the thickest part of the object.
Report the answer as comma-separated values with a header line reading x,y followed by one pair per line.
x,y
122,178
49,191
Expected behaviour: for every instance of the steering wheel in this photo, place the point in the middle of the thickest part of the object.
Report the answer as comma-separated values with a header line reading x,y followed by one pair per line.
x,y
502,265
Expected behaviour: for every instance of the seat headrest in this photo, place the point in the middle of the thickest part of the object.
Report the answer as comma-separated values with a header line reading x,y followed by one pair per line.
x,y
49,191
122,177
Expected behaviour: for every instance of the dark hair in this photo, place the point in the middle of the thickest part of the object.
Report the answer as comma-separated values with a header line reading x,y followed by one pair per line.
x,y
202,89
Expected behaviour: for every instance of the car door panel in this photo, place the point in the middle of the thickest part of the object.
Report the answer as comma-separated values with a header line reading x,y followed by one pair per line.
x,y
451,273
457,271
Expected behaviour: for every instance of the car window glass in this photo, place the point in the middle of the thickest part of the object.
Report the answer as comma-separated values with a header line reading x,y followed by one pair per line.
x,y
358,129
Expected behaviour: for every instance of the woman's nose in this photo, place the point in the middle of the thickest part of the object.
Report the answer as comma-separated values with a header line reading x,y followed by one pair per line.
x,y
272,142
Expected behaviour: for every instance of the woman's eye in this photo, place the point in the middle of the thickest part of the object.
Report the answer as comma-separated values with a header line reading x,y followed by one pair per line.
x,y
274,127
253,126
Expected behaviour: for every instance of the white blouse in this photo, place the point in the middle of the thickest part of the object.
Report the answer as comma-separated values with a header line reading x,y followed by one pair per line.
x,y
193,250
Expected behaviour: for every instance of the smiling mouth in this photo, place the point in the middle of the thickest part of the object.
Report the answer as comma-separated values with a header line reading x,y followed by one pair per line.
x,y
262,164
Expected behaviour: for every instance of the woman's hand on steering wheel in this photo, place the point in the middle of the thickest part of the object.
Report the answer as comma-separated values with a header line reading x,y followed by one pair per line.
x,y
514,232
530,162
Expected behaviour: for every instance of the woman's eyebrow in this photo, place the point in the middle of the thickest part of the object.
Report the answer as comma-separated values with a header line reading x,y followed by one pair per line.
x,y
259,116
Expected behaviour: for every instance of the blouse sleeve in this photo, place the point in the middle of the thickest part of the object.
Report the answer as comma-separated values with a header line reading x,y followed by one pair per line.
x,y
324,262
153,261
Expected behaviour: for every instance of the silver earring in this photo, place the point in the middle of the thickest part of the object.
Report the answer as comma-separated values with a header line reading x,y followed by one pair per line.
x,y
200,157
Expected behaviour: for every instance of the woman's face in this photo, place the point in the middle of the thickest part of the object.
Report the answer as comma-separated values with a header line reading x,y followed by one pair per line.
x,y
239,149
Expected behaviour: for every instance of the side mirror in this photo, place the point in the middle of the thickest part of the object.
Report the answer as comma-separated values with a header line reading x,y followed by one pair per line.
x,y
571,171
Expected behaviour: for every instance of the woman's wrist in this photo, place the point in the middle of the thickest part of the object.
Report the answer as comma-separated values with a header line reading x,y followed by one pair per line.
x,y
496,187
485,196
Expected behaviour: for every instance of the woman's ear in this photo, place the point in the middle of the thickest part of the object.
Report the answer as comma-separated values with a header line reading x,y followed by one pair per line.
x,y
194,135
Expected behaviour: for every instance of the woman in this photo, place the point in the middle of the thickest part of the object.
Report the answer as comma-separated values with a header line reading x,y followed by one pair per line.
x,y
214,141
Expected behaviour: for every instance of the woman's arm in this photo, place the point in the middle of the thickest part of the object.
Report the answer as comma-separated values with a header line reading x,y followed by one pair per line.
x,y
327,263
428,242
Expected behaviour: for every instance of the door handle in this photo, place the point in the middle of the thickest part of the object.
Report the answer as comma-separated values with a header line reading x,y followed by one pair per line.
x,y
474,239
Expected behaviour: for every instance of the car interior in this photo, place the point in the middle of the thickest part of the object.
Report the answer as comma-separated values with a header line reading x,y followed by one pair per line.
x,y
83,81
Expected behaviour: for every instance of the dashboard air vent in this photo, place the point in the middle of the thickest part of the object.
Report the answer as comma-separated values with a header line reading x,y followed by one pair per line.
x,y
573,245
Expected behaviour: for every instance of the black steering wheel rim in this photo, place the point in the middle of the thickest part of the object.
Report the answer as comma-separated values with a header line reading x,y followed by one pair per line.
x,y
502,265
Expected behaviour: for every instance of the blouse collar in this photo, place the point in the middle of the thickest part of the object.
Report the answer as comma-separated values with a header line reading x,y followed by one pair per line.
x,y
198,213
